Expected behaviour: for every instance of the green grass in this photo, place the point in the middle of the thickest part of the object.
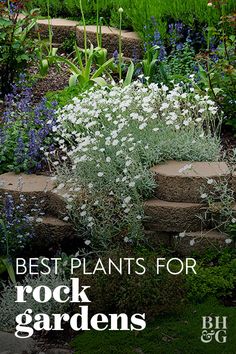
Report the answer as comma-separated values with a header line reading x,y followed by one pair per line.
x,y
167,335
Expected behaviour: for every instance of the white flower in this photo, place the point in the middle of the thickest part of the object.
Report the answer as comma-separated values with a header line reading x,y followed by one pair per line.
x,y
127,210
126,239
182,234
203,195
233,221
39,220
83,213
228,241
66,218
192,242
100,174
142,126
87,242
210,181
127,200
108,159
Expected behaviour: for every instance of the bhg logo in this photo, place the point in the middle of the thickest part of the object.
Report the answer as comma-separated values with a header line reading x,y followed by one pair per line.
x,y
214,329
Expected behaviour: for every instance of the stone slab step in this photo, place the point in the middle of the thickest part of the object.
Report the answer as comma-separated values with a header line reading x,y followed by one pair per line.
x,y
201,241
131,43
57,203
52,235
172,216
61,28
34,188
181,181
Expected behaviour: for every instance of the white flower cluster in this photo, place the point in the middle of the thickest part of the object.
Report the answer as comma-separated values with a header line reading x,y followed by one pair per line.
x,y
111,137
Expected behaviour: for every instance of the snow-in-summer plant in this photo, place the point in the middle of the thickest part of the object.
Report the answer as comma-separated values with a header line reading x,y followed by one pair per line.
x,y
13,309
110,139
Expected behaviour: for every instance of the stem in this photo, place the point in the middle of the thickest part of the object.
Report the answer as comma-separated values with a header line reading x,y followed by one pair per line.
x,y
97,31
85,32
120,47
49,27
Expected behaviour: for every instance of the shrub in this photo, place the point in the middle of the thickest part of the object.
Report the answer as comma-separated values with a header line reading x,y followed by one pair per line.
x,y
215,277
217,73
17,50
149,293
112,137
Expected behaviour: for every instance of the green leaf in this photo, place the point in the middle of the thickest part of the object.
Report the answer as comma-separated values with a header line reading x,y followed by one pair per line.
x,y
73,80
9,268
129,75
100,81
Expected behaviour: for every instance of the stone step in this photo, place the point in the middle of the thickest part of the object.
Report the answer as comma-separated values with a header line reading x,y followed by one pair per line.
x,y
172,216
52,235
131,43
61,28
181,181
201,241
36,189
189,243
57,203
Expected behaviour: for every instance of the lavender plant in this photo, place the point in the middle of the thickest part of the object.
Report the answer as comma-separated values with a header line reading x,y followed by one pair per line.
x,y
26,129
16,228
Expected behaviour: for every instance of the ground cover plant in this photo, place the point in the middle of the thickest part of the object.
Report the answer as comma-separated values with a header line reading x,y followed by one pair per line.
x,y
165,335
112,136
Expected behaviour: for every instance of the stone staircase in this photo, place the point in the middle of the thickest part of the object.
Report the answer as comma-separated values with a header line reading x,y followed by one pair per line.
x,y
176,208
174,216
62,28
52,232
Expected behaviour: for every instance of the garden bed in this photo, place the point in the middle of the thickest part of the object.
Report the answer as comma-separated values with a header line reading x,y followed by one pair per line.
x,y
113,150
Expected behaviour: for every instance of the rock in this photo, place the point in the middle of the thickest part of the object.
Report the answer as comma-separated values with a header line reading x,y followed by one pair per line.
x,y
12,345
157,239
176,182
131,43
52,235
172,216
201,241
57,203
34,188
